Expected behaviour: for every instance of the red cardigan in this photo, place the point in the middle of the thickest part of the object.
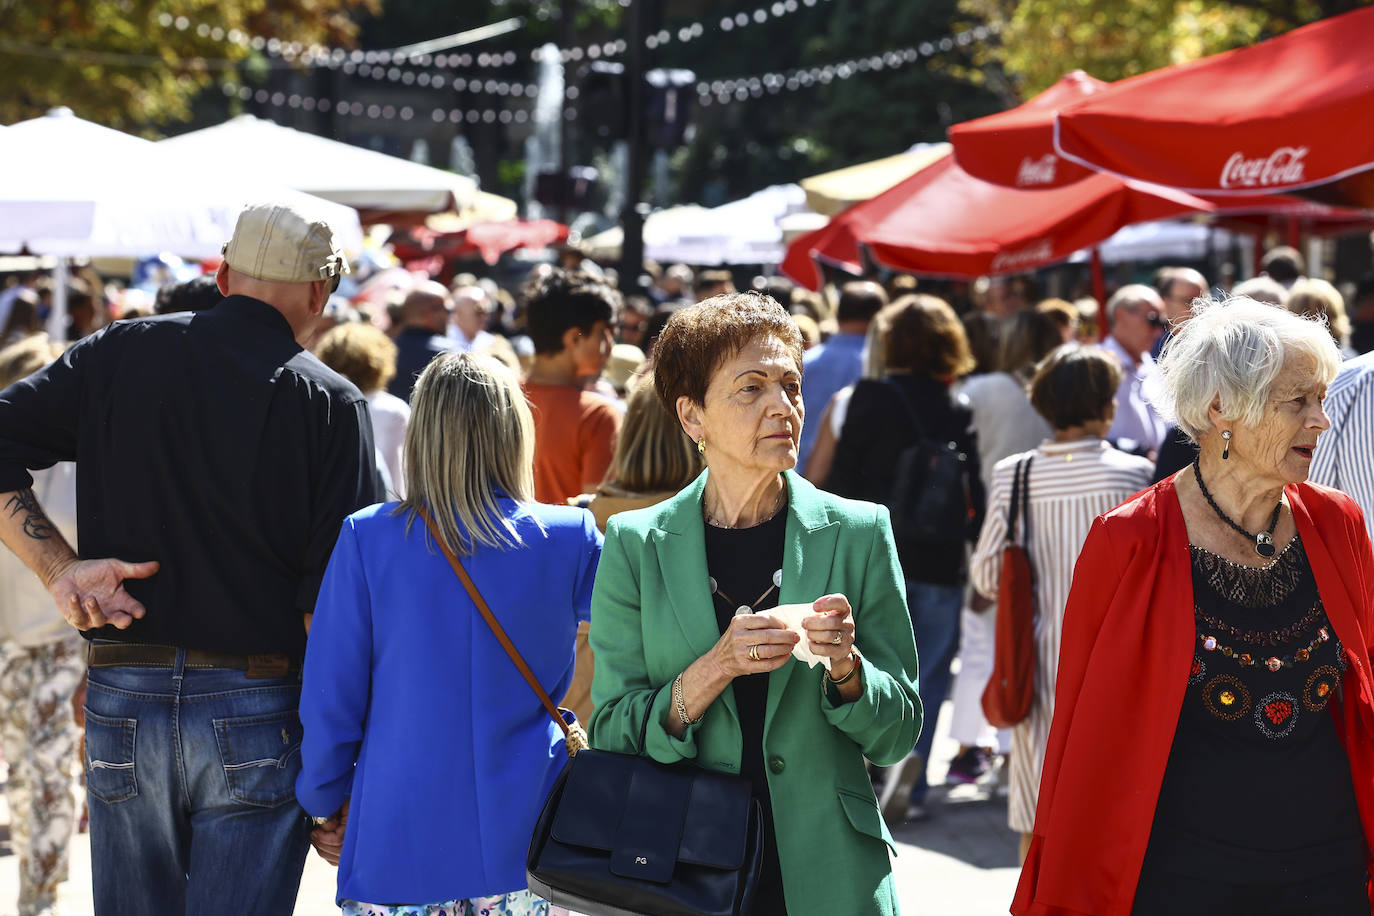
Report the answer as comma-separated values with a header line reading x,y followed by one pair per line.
x,y
1128,644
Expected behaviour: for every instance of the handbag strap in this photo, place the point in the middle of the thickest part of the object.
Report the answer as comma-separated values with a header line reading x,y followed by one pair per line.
x,y
574,737
1020,497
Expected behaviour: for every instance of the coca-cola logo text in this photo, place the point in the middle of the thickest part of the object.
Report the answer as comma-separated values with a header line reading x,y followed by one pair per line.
x,y
1042,250
1283,166
1036,171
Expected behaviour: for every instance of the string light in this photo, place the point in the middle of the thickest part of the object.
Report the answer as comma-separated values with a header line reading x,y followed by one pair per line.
x,y
741,89
376,110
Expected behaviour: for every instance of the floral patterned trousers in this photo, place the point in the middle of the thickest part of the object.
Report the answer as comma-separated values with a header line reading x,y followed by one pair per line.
x,y
516,903
39,735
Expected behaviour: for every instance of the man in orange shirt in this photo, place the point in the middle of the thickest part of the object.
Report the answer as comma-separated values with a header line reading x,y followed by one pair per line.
x,y
570,318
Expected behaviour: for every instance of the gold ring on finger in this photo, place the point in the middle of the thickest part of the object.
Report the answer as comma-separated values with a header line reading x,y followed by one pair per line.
x,y
754,653
838,639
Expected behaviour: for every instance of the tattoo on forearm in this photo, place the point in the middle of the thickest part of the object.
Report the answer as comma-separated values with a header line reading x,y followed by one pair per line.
x,y
36,525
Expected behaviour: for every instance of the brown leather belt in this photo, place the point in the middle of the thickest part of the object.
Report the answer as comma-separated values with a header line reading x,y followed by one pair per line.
x,y
138,655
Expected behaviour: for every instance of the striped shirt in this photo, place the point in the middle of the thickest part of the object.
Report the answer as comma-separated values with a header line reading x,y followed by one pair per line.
x,y
1071,484
1344,457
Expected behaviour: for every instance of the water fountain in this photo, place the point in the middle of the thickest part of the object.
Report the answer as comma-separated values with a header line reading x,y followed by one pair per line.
x,y
541,147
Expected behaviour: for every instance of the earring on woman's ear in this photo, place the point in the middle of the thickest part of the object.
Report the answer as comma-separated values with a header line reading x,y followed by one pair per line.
x,y
1226,452
701,446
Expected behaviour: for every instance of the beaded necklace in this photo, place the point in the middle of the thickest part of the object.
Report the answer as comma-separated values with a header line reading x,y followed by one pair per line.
x,y
1264,541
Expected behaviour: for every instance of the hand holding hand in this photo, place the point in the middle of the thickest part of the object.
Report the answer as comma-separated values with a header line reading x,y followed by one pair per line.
x,y
328,838
90,593
830,632
753,644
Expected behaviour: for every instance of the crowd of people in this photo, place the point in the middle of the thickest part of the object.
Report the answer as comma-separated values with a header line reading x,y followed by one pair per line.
x,y
632,482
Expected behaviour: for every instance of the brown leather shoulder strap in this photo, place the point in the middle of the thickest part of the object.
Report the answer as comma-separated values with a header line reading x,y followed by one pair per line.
x,y
495,625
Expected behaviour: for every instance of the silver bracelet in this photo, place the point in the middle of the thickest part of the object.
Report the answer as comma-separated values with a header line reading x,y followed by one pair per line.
x,y
680,705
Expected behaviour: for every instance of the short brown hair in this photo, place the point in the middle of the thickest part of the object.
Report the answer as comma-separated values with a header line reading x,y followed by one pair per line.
x,y
1064,313
699,338
924,335
1029,336
1075,385
360,353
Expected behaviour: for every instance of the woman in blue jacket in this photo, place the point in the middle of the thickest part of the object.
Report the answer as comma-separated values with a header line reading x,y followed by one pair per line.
x,y
423,744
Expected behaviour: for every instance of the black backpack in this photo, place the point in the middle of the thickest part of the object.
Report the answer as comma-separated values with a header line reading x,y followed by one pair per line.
x,y
930,498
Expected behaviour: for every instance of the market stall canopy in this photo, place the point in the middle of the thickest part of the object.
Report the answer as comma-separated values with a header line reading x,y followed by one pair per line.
x,y
1288,114
1016,147
831,192
421,246
71,187
745,231
944,222
379,185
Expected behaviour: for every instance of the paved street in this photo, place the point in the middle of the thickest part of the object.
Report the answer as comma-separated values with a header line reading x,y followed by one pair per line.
x,y
960,862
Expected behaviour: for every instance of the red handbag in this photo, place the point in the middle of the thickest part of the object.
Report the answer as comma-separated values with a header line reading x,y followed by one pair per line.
x,y
1008,694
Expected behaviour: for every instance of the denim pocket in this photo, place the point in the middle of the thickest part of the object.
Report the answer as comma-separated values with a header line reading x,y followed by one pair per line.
x,y
110,757
261,757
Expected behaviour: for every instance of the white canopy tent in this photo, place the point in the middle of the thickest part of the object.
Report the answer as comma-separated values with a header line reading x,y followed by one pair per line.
x,y
1176,240
745,231
73,188
253,148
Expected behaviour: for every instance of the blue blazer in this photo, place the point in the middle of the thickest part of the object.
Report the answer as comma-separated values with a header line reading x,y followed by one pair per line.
x,y
412,708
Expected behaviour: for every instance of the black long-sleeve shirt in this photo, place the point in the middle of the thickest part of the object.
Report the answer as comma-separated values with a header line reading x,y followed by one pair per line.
x,y
212,443
876,430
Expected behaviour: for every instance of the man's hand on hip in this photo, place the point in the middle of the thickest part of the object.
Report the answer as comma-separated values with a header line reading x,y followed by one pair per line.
x,y
90,593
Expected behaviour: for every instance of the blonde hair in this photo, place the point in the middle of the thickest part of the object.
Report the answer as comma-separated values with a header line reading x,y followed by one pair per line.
x,y
1233,351
471,433
1313,297
360,353
652,453
25,357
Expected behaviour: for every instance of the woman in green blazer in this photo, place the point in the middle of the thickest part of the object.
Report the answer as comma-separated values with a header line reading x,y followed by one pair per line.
x,y
679,642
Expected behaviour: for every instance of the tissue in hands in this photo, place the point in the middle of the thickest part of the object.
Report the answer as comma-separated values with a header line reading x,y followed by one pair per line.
x,y
793,615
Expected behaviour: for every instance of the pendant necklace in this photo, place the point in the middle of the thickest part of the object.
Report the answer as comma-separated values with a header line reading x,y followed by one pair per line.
x,y
1264,541
746,608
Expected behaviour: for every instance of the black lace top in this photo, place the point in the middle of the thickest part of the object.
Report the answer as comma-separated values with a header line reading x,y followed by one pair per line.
x,y
1257,783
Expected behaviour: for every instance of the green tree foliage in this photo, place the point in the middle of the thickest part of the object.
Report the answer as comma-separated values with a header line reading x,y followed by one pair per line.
x,y
742,146
127,63
1111,39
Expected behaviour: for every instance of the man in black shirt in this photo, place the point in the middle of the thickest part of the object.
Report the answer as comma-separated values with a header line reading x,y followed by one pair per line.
x,y
424,319
216,460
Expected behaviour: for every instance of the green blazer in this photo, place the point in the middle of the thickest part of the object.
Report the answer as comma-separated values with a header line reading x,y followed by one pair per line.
x,y
652,616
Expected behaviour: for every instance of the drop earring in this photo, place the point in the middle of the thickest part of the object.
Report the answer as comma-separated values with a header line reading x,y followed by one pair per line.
x,y
1226,451
701,446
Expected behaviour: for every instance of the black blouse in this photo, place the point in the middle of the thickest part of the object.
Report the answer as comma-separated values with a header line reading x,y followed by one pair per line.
x,y
1258,786
743,561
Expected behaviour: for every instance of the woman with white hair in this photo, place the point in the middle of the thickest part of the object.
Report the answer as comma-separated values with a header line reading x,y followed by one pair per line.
x,y
1212,749
424,745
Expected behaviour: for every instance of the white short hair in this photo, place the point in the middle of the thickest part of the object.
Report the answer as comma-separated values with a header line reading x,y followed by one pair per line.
x,y
1128,296
1233,351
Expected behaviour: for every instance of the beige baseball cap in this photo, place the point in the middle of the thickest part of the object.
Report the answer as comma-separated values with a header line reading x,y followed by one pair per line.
x,y
279,243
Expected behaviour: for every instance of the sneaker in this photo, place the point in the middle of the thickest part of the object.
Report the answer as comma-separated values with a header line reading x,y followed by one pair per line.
x,y
968,767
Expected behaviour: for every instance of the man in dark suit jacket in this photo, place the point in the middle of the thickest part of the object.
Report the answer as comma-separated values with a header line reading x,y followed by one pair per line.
x,y
424,321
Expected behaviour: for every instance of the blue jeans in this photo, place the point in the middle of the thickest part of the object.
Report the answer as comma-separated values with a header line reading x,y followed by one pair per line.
x,y
935,620
191,779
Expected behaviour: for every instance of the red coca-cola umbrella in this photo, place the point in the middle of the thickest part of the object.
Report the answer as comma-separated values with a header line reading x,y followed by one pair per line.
x,y
944,222
1016,147
1288,114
